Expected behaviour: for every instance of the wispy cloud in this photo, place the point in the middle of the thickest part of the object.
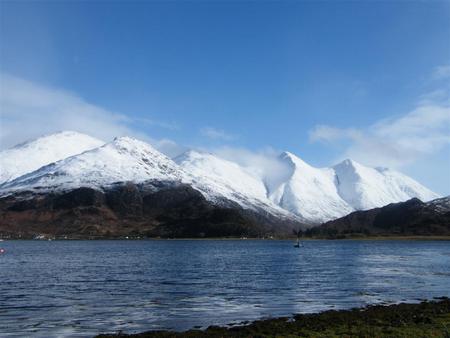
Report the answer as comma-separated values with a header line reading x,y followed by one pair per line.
x,y
29,110
325,133
400,140
441,72
161,124
393,142
216,134
169,147
264,163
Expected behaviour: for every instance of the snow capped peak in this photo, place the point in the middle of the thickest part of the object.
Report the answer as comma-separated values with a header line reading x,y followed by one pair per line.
x,y
129,142
136,148
348,163
123,159
351,165
52,137
286,155
33,154
365,188
309,192
218,171
216,177
295,162
290,157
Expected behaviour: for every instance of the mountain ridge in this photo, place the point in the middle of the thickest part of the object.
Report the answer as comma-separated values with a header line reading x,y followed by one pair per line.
x,y
409,218
33,154
303,194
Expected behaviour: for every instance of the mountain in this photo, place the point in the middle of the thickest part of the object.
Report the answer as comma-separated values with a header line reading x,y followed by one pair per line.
x,y
150,209
219,178
308,192
440,205
298,195
29,156
123,159
126,187
366,188
129,160
322,194
409,218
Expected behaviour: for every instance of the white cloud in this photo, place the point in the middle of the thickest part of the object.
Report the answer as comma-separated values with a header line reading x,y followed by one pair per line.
x,y
264,163
169,147
216,134
29,110
393,142
151,122
441,72
439,96
399,141
326,133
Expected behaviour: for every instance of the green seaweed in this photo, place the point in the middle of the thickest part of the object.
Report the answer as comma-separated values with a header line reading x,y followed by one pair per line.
x,y
426,319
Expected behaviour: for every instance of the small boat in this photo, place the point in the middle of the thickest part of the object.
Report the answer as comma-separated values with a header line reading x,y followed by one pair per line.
x,y
298,233
2,251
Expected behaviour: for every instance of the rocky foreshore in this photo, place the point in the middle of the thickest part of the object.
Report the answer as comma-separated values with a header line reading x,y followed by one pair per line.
x,y
426,319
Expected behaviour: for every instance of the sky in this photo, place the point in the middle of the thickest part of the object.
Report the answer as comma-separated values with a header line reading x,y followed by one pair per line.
x,y
325,80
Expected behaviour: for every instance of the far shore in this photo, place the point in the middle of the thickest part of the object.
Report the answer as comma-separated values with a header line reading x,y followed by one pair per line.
x,y
349,238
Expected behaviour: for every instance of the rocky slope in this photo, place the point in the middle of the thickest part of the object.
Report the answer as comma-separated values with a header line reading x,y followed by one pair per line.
x,y
151,209
410,218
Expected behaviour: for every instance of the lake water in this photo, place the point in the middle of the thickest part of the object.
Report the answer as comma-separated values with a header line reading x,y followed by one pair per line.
x,y
82,288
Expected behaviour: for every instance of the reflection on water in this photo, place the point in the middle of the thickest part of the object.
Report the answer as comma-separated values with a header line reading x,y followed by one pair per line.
x,y
81,288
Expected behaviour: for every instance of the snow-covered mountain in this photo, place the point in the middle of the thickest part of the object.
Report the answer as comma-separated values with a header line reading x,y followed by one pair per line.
x,y
308,192
127,159
366,188
220,178
123,159
301,192
29,156
322,194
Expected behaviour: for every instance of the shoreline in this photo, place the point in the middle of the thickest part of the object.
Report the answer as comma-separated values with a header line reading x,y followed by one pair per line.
x,y
351,238
426,319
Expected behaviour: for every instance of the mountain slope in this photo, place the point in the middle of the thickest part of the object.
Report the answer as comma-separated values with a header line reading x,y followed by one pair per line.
x,y
124,159
365,188
412,217
29,156
150,209
322,194
308,192
217,177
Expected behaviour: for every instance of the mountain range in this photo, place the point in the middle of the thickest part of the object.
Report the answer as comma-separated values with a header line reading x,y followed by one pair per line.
x,y
56,165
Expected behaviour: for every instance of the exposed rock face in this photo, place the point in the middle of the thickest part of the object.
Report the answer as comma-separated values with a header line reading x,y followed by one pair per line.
x,y
125,200
412,217
153,209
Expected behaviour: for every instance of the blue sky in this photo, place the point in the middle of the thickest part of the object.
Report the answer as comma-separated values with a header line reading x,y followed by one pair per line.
x,y
325,80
